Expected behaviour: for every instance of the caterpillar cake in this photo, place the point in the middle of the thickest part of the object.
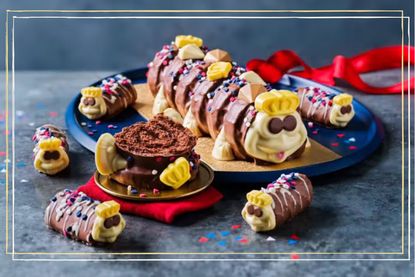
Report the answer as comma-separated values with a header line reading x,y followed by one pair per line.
x,y
113,96
51,149
325,108
157,154
79,217
281,201
212,95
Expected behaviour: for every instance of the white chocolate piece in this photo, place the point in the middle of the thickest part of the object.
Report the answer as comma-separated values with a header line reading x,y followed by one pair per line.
x,y
190,123
99,231
173,115
51,166
99,109
222,149
190,51
107,159
266,222
337,118
252,78
160,102
262,144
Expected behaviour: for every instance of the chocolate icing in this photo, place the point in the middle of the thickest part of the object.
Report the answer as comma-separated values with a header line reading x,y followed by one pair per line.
x,y
150,147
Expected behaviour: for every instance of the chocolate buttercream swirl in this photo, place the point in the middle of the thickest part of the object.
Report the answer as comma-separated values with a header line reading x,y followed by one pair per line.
x,y
160,137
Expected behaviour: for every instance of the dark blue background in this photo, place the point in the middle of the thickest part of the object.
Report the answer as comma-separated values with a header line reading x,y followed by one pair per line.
x,y
123,44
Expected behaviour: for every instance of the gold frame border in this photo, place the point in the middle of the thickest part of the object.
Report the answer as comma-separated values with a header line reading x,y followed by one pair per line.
x,y
202,11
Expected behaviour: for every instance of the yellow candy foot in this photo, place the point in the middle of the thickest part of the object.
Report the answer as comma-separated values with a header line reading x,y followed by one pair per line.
x,y
176,174
181,41
218,70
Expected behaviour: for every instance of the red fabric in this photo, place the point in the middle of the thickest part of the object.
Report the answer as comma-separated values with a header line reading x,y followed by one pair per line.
x,y
347,69
165,211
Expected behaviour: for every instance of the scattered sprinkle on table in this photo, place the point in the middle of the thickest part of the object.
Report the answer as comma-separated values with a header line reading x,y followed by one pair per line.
x,y
225,233
270,239
334,144
203,239
53,114
295,256
340,135
352,147
236,226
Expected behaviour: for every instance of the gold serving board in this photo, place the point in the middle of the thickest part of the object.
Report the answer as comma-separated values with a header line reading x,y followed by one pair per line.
x,y
315,154
203,180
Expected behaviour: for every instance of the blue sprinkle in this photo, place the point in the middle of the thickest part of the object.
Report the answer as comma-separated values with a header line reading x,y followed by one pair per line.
x,y
20,164
222,243
84,217
347,141
225,233
238,238
78,214
53,199
292,241
134,191
69,229
211,235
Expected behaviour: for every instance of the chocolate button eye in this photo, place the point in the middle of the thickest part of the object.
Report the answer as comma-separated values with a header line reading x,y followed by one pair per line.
x,y
290,123
275,125
251,209
51,155
116,220
258,212
108,222
346,109
91,101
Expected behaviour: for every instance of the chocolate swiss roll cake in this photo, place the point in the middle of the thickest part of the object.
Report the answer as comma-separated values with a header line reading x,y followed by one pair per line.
x,y
214,96
329,109
280,202
79,217
157,154
51,150
113,96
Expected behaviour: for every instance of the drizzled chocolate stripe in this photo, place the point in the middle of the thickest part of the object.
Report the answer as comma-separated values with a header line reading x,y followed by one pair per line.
x,y
289,201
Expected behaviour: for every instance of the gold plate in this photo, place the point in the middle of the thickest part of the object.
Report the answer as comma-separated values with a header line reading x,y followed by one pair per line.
x,y
313,155
203,180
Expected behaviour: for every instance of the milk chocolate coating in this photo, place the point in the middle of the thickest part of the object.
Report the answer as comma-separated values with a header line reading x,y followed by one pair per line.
x,y
149,147
319,114
47,131
290,202
72,214
118,99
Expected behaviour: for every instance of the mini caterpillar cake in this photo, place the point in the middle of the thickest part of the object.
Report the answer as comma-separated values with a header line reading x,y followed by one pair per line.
x,y
51,149
157,154
212,95
113,96
326,108
78,217
281,201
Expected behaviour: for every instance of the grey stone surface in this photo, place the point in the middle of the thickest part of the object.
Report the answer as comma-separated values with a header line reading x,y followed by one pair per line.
x,y
354,210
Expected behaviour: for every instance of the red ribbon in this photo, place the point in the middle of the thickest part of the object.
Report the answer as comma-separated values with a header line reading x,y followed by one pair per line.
x,y
342,68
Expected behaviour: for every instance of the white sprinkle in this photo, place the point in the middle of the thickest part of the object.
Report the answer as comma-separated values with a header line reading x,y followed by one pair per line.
x,y
310,124
248,124
270,239
352,139
24,181
3,170
175,87
19,113
129,190
154,172
83,123
31,124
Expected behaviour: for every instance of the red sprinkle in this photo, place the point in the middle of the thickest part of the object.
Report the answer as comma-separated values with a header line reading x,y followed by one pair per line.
x,y
352,147
159,159
53,114
97,122
244,240
203,239
294,236
156,192
142,195
295,256
340,135
236,226
315,132
2,154
334,144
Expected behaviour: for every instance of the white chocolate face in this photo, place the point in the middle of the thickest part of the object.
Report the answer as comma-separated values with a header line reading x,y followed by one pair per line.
x,y
341,118
263,142
259,219
51,161
92,107
108,229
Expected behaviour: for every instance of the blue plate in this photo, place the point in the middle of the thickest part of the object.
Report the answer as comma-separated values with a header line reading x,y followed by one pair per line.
x,y
352,144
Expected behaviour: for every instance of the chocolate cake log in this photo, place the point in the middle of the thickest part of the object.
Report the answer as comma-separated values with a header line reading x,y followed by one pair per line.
x,y
281,201
324,107
78,217
204,90
113,96
51,149
159,155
